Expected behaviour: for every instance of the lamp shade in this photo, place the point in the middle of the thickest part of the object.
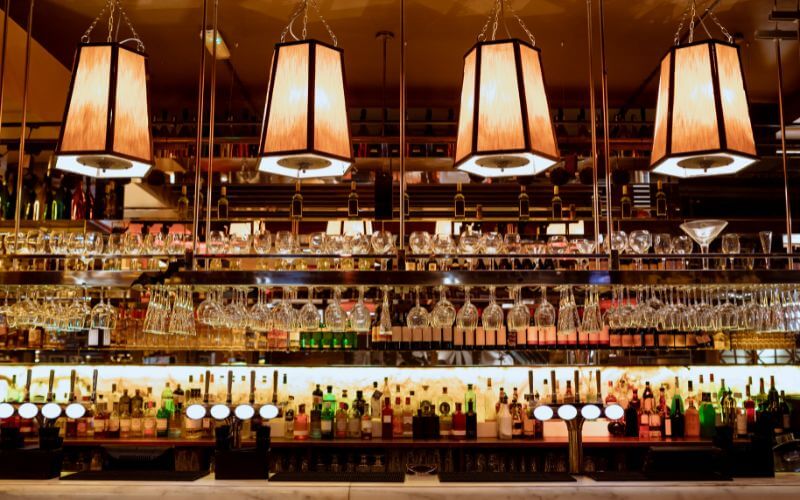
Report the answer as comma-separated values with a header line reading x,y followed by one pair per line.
x,y
702,122
504,125
306,133
106,127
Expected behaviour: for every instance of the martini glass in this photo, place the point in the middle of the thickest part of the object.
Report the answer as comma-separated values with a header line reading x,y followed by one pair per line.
x,y
703,233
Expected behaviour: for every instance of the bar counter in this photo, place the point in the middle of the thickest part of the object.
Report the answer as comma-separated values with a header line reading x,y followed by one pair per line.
x,y
784,485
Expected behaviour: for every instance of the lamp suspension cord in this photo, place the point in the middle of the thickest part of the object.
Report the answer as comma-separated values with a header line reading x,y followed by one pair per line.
x,y
691,13
111,6
496,15
302,8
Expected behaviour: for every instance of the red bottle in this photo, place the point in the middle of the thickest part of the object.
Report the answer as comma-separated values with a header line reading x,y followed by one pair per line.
x,y
397,418
386,419
459,424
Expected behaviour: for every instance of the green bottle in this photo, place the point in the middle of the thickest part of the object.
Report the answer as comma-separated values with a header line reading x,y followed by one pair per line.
x,y
470,396
167,400
162,421
328,413
708,416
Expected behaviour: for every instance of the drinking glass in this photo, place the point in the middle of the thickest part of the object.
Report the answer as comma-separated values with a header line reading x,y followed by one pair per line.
x,y
309,315
262,242
584,246
284,242
545,318
467,316
519,316
381,242
619,241
765,237
492,242
176,243
703,233
420,242
360,318
469,242
640,242
283,313
238,244
316,242
662,244
335,317
385,320
731,245
557,245
444,313
215,243
418,316
260,319
359,243
512,243
493,317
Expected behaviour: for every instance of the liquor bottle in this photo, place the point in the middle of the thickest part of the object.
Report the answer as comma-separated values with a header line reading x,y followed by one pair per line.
x,y
78,203
772,407
459,204
524,204
648,399
470,396
676,412
315,422
661,200
56,209
516,421
408,418
556,204
489,403
162,421
316,397
137,414
222,203
366,424
167,399
692,417
786,414
625,203
387,419
183,204
471,421
569,396
397,418
761,397
300,428
728,407
459,431
112,424
296,207
149,420
740,428
357,410
375,400
528,419
632,415
610,397
328,413
708,416
352,202
341,421
444,406
504,420
289,417
749,409
193,428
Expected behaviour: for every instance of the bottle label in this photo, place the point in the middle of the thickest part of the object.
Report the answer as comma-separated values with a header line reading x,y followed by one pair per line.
x,y
136,425
113,424
99,425
192,424
125,425
326,426
387,419
161,424
149,424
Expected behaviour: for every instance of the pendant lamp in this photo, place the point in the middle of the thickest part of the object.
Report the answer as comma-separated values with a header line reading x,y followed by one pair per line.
x,y
702,125
504,124
306,133
105,132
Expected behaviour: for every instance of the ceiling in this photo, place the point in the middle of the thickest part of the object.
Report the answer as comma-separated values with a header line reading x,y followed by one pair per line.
x,y
438,32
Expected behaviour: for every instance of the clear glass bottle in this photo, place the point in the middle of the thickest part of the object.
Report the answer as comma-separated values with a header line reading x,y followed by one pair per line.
x,y
556,204
300,429
222,203
504,420
625,203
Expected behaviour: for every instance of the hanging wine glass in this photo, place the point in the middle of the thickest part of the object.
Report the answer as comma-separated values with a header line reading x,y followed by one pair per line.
x,y
335,317
385,321
467,317
444,313
493,317
360,318
545,317
519,317
260,313
418,316
309,315
567,330
283,314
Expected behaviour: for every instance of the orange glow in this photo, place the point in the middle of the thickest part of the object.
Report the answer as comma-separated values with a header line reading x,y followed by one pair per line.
x,y
465,121
287,124
330,114
86,123
131,127
738,131
541,128
499,113
660,138
694,115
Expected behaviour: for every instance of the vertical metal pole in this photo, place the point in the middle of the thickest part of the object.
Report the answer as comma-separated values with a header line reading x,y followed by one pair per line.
x,y
401,244
3,58
23,125
201,89
211,110
606,138
593,118
784,158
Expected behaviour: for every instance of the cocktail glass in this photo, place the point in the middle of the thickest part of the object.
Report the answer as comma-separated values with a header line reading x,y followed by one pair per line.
x,y
703,233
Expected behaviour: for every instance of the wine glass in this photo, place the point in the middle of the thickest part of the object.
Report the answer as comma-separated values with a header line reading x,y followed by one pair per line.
x,y
731,245
360,318
765,237
557,244
703,233
418,316
584,246
215,243
519,316
283,313
316,242
567,317
385,320
492,242
260,314
381,242
467,316
662,244
640,242
420,242
335,316
309,315
493,317
444,313
284,242
545,318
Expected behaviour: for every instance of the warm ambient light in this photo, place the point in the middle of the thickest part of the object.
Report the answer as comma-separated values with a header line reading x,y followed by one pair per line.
x,y
75,410
543,413
268,411
106,127
702,122
28,410
504,126
6,410
306,133
220,412
244,412
567,412
195,412
51,411
590,412
222,47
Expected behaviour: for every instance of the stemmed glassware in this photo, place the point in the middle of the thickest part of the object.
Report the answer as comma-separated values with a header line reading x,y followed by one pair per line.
x,y
592,321
335,316
765,237
360,318
418,316
309,314
519,316
568,320
731,245
662,244
260,314
703,233
467,316
493,317
639,242
545,317
444,313
385,320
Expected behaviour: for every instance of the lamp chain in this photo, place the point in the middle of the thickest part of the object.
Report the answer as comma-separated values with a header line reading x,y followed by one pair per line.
x,y
496,15
691,13
111,6
302,8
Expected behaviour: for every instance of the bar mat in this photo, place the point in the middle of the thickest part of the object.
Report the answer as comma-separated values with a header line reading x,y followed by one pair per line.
x,y
340,477
504,477
134,475
661,476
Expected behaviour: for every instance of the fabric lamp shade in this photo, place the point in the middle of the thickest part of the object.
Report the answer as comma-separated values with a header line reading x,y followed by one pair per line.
x,y
306,133
702,124
106,127
504,124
